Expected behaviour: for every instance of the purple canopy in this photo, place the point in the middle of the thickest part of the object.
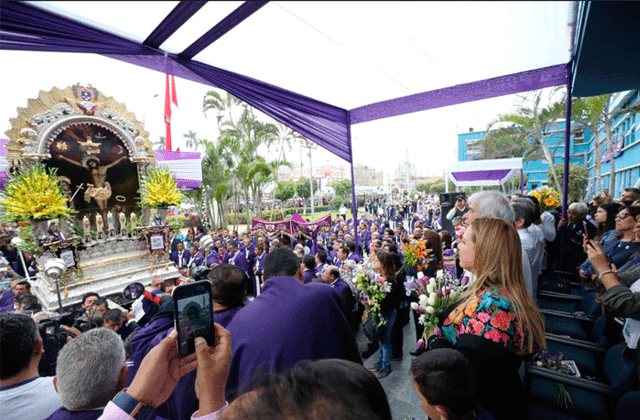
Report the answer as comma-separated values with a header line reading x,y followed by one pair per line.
x,y
25,26
483,172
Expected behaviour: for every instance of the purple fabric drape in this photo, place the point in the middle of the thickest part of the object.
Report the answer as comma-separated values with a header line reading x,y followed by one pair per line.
x,y
490,174
174,20
468,92
225,25
27,27
325,124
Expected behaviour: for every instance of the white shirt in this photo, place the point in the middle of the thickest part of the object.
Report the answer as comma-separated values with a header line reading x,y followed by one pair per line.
x,y
34,400
548,226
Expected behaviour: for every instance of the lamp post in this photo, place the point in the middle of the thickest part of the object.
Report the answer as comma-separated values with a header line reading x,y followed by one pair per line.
x,y
310,146
54,268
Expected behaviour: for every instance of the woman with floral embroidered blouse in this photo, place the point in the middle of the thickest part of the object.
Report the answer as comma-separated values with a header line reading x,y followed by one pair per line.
x,y
495,324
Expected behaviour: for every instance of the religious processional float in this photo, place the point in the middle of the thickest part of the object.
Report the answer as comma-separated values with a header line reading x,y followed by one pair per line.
x,y
83,185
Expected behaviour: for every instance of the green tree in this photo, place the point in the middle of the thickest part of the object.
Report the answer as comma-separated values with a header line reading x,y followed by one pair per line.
x,y
285,191
594,114
578,178
439,186
217,163
342,188
528,126
161,143
225,106
303,188
423,187
191,137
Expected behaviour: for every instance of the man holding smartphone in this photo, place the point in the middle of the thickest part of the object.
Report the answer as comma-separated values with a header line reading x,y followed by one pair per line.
x,y
289,321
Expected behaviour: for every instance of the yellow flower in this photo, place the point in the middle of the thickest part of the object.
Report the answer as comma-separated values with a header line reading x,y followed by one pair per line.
x,y
34,194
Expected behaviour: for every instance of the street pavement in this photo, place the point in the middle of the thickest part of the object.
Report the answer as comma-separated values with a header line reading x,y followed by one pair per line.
x,y
402,397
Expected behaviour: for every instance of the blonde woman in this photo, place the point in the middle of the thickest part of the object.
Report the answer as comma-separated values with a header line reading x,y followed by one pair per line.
x,y
495,324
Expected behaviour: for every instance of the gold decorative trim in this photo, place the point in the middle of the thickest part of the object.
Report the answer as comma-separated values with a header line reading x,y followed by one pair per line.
x,y
22,126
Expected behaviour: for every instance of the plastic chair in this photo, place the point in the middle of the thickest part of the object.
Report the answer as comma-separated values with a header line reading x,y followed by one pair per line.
x,y
629,406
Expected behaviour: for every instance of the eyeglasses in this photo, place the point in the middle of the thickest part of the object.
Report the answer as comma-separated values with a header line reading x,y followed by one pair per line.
x,y
622,215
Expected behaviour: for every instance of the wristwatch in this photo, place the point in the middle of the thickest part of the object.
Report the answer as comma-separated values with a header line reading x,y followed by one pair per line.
x,y
133,407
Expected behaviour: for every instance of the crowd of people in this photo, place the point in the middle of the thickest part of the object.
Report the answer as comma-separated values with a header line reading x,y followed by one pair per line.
x,y
286,319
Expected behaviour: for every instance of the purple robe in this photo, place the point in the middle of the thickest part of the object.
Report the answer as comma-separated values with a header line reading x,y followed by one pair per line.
x,y
355,257
238,260
288,322
180,262
224,317
64,414
309,274
6,301
183,401
212,258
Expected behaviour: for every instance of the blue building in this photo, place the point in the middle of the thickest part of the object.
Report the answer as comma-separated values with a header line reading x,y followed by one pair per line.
x,y
626,136
535,171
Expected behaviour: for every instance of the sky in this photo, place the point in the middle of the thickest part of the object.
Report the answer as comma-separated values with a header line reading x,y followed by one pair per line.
x,y
348,54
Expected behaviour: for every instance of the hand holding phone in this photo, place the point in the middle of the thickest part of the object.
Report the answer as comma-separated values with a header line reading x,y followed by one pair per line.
x,y
193,315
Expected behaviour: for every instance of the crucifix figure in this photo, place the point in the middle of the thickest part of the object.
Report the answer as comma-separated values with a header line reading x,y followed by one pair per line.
x,y
99,189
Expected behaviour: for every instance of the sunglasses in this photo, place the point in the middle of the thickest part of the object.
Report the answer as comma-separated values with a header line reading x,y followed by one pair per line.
x,y
622,215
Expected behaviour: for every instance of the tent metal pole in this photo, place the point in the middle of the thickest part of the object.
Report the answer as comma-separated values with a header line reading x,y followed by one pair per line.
x,y
521,181
567,143
354,204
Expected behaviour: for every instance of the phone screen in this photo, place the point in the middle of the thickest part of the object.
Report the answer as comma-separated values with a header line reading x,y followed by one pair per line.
x,y
194,315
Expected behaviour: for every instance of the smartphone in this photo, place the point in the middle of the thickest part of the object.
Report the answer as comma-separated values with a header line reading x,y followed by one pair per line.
x,y
193,315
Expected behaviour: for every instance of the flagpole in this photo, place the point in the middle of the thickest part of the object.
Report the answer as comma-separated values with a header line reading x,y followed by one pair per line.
x,y
167,113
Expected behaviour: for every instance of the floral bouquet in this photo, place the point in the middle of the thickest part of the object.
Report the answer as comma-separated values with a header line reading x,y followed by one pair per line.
x,y
370,287
415,255
434,295
160,189
547,197
34,194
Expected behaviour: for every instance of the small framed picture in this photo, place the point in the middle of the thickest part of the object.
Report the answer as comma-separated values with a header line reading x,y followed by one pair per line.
x,y
156,242
69,258
157,238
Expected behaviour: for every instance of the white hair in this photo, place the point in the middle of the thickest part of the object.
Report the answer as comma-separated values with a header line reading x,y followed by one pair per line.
x,y
579,207
88,369
493,203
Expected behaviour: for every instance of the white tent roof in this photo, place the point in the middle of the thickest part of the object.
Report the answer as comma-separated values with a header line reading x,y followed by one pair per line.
x,y
351,54
487,172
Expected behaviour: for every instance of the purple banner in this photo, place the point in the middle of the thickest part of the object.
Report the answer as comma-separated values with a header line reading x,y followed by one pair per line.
x,y
272,229
492,175
468,92
291,226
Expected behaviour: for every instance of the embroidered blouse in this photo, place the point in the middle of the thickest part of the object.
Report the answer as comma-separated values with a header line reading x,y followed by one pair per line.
x,y
489,315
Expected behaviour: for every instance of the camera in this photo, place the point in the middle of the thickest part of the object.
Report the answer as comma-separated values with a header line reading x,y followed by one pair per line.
x,y
54,337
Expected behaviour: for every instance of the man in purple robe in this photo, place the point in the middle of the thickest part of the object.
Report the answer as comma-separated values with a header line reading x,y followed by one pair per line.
x,y
309,268
197,259
331,276
228,292
288,322
258,264
180,256
353,255
97,354
237,258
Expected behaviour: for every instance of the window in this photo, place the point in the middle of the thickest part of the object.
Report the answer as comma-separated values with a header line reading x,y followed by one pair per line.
x,y
579,137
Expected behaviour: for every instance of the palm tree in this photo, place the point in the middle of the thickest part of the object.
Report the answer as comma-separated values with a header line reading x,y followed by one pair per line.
x,y
217,164
224,105
191,139
529,124
594,113
161,144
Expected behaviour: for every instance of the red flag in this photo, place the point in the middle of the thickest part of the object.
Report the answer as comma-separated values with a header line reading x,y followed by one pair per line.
x,y
167,113
174,96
